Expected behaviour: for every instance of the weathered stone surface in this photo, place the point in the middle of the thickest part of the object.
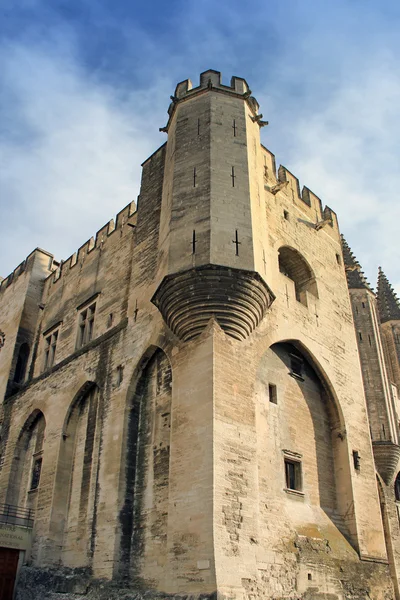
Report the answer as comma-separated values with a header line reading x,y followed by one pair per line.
x,y
219,443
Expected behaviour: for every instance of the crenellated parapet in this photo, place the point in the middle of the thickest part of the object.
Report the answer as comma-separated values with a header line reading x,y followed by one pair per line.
x,y
6,282
211,80
126,217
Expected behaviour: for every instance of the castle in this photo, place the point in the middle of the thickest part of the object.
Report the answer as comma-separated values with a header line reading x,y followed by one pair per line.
x,y
202,401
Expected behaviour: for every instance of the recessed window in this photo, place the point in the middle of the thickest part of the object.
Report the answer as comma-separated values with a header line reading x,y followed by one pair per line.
x,y
397,488
286,215
293,475
360,336
296,367
86,323
338,259
36,470
22,363
356,460
273,397
110,320
120,374
50,349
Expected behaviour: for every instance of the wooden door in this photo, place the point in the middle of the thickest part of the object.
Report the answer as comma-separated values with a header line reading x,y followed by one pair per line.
x,y
8,572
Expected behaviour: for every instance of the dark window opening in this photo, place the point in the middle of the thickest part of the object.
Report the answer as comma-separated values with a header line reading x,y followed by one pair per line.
x,y
86,322
369,340
22,363
296,367
338,259
293,475
120,374
397,488
360,336
50,349
286,215
272,393
36,470
356,460
110,320
309,577
294,266
363,304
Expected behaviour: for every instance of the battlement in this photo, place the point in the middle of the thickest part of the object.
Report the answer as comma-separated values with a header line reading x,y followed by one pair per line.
x,y
23,266
282,180
211,80
126,216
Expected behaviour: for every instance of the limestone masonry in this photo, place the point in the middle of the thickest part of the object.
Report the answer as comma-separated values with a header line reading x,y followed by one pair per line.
x,y
203,400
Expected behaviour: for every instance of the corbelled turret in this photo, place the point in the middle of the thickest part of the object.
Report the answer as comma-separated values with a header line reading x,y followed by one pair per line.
x,y
211,225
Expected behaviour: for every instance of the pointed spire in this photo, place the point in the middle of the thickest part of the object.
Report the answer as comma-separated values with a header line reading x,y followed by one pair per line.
x,y
388,302
354,274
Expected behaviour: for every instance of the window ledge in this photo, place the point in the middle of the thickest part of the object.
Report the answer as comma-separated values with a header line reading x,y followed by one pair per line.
x,y
294,492
33,491
295,376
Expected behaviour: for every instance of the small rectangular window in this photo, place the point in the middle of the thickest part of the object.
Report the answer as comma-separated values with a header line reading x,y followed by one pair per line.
x,y
272,393
50,349
36,470
293,475
120,375
356,460
86,323
286,215
338,259
360,336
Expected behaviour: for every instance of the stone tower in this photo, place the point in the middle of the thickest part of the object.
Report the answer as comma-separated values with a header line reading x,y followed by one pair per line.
x,y
193,420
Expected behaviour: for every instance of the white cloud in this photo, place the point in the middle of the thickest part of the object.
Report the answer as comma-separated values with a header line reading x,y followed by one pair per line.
x,y
71,151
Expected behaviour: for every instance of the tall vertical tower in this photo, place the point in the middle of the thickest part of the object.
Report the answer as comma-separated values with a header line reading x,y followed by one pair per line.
x,y
211,215
382,412
389,313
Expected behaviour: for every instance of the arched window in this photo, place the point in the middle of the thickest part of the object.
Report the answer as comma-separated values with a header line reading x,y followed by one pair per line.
x,y
144,524
397,488
294,266
22,363
27,464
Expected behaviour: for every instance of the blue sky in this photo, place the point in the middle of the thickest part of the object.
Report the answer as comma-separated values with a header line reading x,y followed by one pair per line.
x,y
85,86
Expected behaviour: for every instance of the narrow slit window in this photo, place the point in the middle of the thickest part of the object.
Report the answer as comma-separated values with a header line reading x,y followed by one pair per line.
x,y
272,393
233,176
36,471
360,336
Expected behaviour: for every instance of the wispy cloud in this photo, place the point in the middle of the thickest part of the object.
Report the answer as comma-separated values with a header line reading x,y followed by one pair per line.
x,y
86,89
71,152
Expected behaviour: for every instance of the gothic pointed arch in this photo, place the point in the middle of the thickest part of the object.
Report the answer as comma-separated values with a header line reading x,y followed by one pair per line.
x,y
27,462
306,434
295,267
76,488
144,515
